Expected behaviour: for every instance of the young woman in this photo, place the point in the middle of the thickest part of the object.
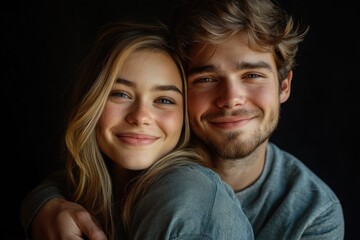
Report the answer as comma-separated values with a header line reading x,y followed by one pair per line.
x,y
126,144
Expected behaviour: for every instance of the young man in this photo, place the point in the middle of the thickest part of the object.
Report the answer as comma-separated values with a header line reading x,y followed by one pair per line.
x,y
239,56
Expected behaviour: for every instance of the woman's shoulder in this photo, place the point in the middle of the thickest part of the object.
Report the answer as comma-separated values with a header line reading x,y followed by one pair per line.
x,y
192,202
194,174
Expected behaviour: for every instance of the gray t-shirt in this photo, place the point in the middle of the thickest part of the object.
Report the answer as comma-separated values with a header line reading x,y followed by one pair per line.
x,y
290,202
287,202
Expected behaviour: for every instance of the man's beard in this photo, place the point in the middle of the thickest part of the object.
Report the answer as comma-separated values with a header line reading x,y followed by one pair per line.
x,y
234,147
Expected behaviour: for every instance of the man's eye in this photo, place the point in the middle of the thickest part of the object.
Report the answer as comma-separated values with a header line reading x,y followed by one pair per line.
x,y
165,101
204,80
252,75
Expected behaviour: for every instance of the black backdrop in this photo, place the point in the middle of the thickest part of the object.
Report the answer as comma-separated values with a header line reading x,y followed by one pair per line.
x,y
42,43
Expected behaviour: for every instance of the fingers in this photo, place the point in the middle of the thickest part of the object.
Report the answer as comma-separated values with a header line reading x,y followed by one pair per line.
x,y
61,219
88,226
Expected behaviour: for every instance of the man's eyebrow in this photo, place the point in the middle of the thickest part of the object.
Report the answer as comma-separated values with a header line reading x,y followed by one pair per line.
x,y
201,69
239,66
155,88
253,65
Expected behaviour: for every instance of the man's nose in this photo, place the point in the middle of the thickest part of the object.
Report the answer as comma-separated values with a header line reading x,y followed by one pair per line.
x,y
231,94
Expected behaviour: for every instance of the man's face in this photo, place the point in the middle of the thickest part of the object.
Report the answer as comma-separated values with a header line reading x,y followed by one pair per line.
x,y
234,96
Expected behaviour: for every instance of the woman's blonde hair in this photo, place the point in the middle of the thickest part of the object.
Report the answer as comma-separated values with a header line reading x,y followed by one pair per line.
x,y
90,182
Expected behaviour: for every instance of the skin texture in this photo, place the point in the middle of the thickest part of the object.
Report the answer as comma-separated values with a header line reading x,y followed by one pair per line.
x,y
143,116
234,105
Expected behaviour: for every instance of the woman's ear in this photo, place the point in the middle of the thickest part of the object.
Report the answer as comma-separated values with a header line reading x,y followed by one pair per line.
x,y
286,87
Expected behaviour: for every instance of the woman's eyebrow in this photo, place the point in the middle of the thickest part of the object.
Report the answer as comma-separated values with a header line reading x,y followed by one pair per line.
x,y
167,88
159,87
125,82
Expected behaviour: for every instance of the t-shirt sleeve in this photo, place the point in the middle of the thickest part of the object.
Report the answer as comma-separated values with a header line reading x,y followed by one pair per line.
x,y
189,202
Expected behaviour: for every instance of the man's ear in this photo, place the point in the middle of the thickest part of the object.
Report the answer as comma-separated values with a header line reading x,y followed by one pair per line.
x,y
286,87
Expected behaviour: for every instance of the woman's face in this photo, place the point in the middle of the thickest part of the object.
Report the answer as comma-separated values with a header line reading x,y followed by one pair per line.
x,y
143,116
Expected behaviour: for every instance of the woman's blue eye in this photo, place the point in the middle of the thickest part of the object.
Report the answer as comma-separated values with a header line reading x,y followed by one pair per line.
x,y
120,94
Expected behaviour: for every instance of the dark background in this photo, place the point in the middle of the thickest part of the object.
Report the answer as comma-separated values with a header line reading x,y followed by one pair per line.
x,y
42,43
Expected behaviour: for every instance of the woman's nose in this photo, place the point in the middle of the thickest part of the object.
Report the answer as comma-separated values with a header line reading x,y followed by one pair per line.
x,y
139,115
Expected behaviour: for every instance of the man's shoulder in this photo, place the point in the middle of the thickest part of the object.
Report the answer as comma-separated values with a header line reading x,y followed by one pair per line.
x,y
287,187
295,176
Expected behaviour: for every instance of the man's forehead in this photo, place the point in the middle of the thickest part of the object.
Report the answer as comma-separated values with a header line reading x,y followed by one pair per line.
x,y
233,51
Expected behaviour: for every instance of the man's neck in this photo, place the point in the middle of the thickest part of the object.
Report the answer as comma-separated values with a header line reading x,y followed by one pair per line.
x,y
241,173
